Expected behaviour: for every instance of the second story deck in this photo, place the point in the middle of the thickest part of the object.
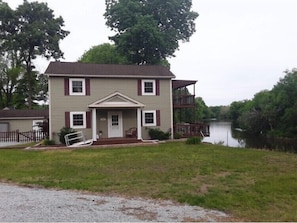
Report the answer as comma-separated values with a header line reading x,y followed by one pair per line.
x,y
182,98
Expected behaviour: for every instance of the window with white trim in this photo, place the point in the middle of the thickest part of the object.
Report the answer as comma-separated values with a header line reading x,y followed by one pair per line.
x,y
78,120
148,87
77,86
149,118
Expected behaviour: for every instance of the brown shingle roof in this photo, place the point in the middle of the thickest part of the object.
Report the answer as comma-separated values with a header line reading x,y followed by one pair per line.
x,y
107,70
181,83
16,114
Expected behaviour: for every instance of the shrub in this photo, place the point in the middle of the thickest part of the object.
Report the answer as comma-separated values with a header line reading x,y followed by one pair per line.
x,y
64,131
178,135
48,142
193,140
158,134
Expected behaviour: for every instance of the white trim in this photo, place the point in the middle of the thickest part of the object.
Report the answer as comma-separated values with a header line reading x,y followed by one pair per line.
x,y
83,126
94,124
171,110
154,117
126,102
139,136
51,136
83,82
143,87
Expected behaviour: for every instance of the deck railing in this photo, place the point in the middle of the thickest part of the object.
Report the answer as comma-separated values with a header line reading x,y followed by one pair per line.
x,y
186,130
17,136
183,100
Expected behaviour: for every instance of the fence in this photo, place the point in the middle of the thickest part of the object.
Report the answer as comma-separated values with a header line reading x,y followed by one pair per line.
x,y
17,136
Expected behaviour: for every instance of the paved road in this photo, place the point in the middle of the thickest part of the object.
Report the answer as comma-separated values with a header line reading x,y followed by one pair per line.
x,y
42,205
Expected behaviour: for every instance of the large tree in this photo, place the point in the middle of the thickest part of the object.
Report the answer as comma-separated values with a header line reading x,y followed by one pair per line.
x,y
103,54
149,31
31,30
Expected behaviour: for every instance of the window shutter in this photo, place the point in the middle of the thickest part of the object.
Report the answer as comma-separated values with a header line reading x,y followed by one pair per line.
x,y
67,119
158,117
88,117
139,87
88,90
157,87
66,86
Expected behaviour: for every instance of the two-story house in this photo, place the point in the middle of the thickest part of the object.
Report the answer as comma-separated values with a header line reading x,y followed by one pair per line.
x,y
105,100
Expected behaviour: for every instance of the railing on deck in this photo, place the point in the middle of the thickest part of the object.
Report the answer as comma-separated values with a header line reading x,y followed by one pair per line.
x,y
17,136
183,100
191,129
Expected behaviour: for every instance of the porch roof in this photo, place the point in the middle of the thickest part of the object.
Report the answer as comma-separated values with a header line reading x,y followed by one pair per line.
x,y
182,83
116,100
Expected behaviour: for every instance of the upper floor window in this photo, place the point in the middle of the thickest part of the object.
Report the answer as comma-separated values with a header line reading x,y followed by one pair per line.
x,y
148,87
77,86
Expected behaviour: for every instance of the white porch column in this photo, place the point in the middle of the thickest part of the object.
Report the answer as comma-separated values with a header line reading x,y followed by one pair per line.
x,y
139,136
94,124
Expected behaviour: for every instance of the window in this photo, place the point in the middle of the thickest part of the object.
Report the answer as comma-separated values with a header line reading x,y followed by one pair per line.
x,y
149,118
77,120
77,86
148,87
114,120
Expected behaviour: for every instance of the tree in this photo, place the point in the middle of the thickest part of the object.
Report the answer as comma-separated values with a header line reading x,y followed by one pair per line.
x,y
31,30
39,85
103,54
201,111
148,31
270,112
10,74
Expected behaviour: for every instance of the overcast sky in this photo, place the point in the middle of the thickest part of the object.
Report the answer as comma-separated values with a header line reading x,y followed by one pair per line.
x,y
240,47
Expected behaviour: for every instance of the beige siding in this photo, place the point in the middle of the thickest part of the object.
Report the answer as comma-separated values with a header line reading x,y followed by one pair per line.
x,y
22,125
100,88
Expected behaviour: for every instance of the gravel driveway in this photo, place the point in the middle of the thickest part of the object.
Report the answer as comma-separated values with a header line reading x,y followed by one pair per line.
x,y
43,205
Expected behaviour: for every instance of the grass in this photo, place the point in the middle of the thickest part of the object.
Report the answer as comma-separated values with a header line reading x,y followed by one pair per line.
x,y
252,185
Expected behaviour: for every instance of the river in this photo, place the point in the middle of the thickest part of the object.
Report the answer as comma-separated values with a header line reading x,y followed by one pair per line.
x,y
221,132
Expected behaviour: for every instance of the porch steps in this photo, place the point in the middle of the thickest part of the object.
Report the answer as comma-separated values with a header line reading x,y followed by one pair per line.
x,y
110,141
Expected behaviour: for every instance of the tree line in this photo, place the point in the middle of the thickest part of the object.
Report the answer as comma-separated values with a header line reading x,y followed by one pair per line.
x,y
269,113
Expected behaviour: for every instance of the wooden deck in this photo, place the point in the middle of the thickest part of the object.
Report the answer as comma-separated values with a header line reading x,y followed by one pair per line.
x,y
187,130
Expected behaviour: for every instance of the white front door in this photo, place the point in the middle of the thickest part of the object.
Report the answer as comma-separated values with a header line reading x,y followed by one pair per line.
x,y
115,124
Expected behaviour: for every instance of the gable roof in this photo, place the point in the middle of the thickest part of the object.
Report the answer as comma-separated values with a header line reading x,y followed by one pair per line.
x,y
116,100
77,69
24,114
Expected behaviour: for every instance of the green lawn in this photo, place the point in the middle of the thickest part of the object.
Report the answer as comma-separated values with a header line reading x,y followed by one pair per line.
x,y
252,185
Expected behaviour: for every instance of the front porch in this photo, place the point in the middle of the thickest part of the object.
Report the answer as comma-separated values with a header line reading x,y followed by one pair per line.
x,y
113,115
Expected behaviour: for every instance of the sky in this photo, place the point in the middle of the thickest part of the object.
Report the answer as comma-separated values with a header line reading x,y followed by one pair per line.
x,y
240,47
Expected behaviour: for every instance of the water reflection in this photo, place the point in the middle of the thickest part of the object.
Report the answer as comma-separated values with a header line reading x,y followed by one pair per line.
x,y
223,133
